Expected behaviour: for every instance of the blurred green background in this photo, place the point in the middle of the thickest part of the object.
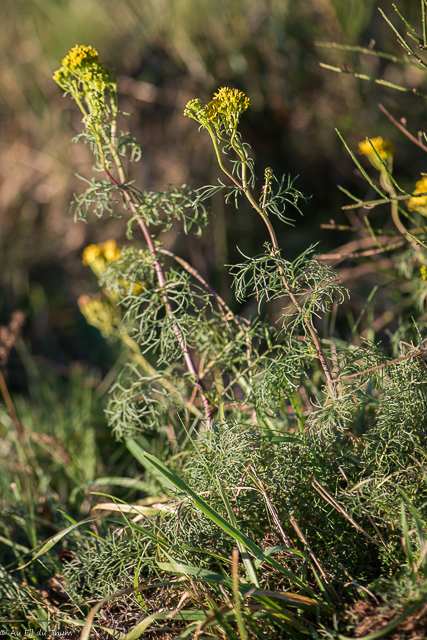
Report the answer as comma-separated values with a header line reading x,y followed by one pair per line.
x,y
166,52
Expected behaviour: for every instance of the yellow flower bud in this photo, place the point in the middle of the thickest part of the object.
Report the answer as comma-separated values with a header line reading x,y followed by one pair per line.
x,y
99,313
110,250
419,204
384,148
90,254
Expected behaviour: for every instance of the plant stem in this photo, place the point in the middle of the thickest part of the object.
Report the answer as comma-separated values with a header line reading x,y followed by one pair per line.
x,y
276,250
207,408
146,366
389,187
218,156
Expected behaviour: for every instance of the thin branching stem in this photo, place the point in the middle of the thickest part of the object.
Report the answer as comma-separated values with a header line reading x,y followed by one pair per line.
x,y
218,156
363,76
226,312
403,129
307,320
367,51
238,148
417,353
207,408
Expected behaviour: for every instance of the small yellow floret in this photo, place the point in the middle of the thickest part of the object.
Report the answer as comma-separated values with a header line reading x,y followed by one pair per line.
x,y
419,204
223,110
97,256
423,272
107,250
90,254
110,250
384,148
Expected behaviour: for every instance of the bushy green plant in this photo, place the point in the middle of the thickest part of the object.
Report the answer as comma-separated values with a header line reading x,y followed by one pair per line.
x,y
277,458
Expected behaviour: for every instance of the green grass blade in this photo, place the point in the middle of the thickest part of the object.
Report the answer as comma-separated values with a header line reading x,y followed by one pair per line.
x,y
222,622
282,617
142,626
130,483
88,624
250,569
408,544
236,596
142,457
291,599
54,539
267,552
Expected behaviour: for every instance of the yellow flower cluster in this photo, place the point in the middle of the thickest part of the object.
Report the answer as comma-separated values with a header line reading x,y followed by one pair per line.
x,y
384,148
97,256
80,55
223,110
82,63
423,272
419,204
229,103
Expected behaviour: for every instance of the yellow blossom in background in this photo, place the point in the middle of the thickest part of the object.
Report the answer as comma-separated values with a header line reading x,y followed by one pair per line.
x,y
423,272
110,250
98,256
90,254
100,313
132,288
419,204
384,148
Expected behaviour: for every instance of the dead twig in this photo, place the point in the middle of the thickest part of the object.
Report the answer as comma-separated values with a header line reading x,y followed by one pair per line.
x,y
361,254
403,129
328,498
420,352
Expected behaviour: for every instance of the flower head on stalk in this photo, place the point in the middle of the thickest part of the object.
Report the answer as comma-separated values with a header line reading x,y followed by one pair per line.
x,y
420,203
374,147
224,110
89,82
